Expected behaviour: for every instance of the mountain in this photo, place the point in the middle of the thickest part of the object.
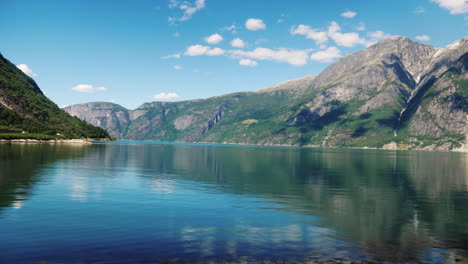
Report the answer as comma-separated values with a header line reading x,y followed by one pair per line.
x,y
395,94
24,107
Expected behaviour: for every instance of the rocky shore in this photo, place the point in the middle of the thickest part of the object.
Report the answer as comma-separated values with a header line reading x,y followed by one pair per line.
x,y
36,141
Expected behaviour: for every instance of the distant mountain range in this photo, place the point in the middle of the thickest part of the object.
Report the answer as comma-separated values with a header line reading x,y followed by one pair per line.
x,y
25,112
396,94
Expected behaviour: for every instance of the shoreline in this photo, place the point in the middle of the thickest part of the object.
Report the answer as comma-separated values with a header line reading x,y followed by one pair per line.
x,y
462,149
391,146
53,141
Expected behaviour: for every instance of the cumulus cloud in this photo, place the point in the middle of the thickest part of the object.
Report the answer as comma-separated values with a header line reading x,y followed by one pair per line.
x,y
172,56
423,38
344,39
349,14
178,67
320,37
189,9
254,24
334,32
26,70
87,88
165,96
327,55
348,39
454,6
238,43
248,63
333,28
214,39
291,56
200,50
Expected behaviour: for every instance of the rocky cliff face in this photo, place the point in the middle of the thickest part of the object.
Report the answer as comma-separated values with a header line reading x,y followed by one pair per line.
x,y
396,93
114,118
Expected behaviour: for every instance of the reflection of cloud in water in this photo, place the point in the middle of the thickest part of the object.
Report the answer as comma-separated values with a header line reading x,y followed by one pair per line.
x,y
231,247
79,189
199,240
258,240
163,186
18,204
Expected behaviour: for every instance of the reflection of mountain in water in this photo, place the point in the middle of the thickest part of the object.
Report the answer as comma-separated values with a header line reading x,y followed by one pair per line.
x,y
393,203
20,165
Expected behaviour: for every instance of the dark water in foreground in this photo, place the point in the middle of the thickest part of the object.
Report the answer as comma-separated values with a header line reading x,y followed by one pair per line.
x,y
177,203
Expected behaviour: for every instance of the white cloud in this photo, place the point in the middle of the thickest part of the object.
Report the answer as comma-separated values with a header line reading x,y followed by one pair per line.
x,y
189,9
176,35
361,26
178,67
248,63
86,88
291,56
349,14
215,52
454,6
197,50
423,38
255,24
200,50
281,19
214,39
166,96
333,32
232,28
26,70
238,43
347,39
320,37
419,10
344,39
173,3
378,35
172,56
333,28
327,55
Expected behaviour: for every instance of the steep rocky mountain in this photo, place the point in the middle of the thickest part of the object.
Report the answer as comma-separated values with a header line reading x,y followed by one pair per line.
x,y
24,107
395,94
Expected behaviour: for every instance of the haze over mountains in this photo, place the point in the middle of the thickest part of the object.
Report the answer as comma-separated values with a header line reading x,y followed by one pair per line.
x,y
395,94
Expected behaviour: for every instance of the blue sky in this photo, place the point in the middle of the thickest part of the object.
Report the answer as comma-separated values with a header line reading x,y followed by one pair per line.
x,y
131,52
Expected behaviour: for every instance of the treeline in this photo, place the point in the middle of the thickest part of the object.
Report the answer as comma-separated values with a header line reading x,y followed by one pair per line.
x,y
72,127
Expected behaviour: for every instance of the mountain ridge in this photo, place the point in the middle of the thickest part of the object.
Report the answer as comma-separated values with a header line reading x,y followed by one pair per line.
x,y
25,112
371,98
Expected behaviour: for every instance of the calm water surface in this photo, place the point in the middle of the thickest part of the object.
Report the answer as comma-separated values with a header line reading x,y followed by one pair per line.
x,y
128,202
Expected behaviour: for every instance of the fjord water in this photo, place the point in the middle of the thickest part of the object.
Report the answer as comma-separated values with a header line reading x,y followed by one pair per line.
x,y
128,202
